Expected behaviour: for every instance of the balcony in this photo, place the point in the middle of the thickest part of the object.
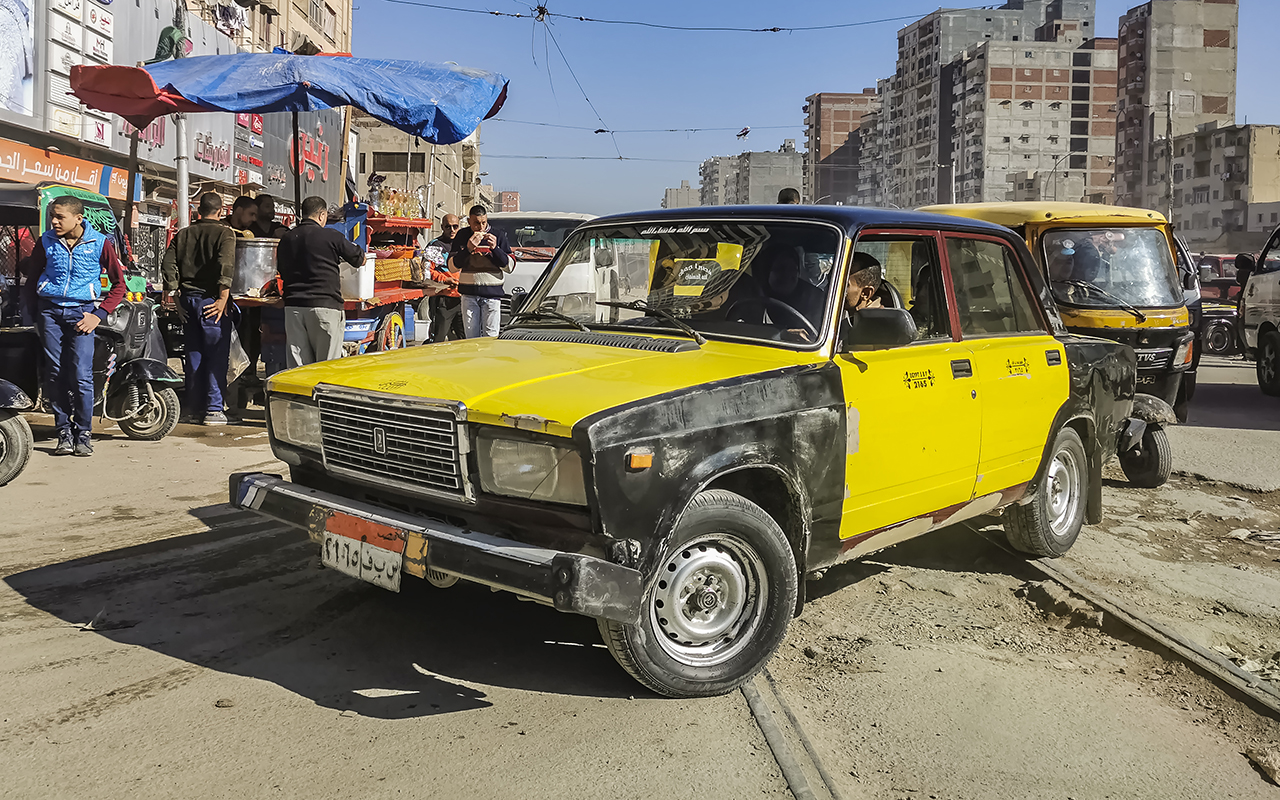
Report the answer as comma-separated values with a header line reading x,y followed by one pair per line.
x,y
1204,154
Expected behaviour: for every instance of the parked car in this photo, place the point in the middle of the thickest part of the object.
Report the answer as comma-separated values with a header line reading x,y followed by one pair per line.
x,y
674,458
1218,278
1260,316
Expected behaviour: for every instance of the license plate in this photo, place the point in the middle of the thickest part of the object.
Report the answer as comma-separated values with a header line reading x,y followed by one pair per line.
x,y
348,549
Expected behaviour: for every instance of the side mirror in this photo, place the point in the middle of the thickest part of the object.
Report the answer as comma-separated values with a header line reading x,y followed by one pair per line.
x,y
518,296
879,327
1206,274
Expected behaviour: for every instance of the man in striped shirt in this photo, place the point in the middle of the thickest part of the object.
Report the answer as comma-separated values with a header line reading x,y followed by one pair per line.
x,y
481,260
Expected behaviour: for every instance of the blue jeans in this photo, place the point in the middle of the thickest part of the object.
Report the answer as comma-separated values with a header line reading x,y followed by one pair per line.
x,y
69,354
208,354
481,316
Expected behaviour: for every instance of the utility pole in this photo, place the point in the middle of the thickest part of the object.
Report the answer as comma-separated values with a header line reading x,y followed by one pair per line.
x,y
1168,158
181,167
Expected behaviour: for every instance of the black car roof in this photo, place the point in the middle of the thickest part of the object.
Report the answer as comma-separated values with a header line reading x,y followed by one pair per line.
x,y
850,218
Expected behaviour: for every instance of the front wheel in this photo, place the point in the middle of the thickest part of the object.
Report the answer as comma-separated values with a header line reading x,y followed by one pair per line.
x,y
1269,363
1048,525
718,604
15,444
1152,463
156,421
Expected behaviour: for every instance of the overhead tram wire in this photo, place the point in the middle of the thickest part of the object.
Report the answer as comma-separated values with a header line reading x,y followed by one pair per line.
x,y
604,126
540,13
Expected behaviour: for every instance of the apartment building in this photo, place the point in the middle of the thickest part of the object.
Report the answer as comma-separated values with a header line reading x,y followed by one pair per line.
x,y
750,178
508,201
1034,120
917,163
719,181
1226,186
1177,63
832,153
300,26
682,196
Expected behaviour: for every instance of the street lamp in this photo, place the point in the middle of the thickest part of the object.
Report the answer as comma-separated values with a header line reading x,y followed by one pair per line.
x,y
951,168
1054,170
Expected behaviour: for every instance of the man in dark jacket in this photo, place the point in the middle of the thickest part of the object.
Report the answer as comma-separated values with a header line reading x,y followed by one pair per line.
x,y
309,258
266,226
198,269
66,270
482,257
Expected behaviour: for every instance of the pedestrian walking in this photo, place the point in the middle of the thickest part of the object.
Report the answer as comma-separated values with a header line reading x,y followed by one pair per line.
x,y
446,306
66,270
309,258
198,269
482,260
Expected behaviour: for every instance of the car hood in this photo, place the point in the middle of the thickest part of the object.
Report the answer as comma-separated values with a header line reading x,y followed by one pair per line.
x,y
547,386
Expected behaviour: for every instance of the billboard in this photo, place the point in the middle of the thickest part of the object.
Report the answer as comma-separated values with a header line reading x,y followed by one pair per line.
x,y
17,56
264,147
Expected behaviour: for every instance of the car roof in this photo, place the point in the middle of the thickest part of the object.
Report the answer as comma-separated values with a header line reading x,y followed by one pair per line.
x,y
1013,214
540,215
850,218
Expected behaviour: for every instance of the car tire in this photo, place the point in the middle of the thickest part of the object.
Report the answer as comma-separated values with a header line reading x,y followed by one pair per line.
x,y
717,605
157,422
1269,363
1048,525
1219,338
15,444
1155,463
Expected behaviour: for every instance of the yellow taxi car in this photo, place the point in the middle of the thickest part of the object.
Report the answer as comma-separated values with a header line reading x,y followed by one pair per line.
x,y
1112,272
752,395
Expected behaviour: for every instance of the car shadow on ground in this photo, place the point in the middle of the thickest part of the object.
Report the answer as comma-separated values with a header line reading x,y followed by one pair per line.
x,y
957,548
1233,405
248,597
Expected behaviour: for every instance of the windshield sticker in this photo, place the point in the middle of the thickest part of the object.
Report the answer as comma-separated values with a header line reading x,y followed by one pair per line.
x,y
656,230
918,379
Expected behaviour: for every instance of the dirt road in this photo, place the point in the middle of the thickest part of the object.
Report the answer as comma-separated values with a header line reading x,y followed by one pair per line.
x,y
155,643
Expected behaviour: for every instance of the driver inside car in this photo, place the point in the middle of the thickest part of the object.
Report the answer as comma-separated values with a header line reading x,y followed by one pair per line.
x,y
784,282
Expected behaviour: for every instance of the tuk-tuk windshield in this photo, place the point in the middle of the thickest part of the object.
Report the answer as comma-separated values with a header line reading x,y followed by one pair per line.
x,y
756,280
1109,267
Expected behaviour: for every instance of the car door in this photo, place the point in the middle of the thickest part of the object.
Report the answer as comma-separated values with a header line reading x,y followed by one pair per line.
x,y
912,411
1021,370
1260,303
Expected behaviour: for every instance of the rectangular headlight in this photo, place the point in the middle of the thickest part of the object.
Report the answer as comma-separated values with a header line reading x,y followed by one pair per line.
x,y
296,422
530,470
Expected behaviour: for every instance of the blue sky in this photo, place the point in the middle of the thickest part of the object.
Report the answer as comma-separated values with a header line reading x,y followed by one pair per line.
x,y
641,78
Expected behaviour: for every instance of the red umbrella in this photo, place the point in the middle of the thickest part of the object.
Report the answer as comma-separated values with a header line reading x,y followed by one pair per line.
x,y
130,92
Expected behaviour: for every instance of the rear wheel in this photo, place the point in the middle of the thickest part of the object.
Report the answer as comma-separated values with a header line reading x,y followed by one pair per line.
x,y
15,444
1152,464
156,421
718,604
1219,338
1269,363
1048,525
391,332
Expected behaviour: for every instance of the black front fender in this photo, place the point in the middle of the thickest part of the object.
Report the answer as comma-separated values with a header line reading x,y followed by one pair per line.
x,y
13,397
144,370
1153,410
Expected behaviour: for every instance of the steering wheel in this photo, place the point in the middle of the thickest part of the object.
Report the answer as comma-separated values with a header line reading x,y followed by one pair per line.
x,y
773,303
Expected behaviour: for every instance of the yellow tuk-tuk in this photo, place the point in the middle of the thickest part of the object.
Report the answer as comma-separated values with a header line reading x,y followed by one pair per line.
x,y
1112,271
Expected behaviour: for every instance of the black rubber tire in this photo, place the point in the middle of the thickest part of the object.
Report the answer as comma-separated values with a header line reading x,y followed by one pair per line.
x,y
15,444
1153,467
1219,338
170,410
1029,527
640,650
1268,363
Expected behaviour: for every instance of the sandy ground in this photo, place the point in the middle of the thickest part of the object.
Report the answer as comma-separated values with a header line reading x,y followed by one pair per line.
x,y
222,661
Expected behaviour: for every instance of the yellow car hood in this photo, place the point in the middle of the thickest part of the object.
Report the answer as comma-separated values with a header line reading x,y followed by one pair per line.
x,y
547,385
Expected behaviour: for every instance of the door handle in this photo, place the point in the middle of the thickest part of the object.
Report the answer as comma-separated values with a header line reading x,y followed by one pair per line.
x,y
961,368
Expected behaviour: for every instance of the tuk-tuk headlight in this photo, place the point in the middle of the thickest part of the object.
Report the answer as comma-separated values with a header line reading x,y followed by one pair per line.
x,y
530,470
295,422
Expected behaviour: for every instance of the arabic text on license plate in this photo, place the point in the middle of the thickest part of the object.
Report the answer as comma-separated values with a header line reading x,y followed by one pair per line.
x,y
362,560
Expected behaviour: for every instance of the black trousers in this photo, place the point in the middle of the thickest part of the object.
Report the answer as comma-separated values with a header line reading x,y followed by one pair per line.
x,y
446,319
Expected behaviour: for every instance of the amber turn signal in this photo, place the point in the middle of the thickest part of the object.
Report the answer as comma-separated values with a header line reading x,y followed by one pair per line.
x,y
639,461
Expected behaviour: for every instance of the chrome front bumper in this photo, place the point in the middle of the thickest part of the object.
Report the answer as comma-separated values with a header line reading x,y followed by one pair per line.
x,y
570,582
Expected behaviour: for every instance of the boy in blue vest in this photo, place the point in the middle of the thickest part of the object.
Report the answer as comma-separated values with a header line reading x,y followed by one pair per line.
x,y
67,268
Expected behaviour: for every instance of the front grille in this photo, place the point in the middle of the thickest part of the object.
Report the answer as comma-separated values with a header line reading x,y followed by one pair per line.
x,y
383,439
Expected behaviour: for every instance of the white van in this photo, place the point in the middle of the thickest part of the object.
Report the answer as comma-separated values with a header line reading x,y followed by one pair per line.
x,y
534,237
1260,316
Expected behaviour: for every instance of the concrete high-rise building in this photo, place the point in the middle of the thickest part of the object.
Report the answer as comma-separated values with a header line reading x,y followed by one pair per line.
x,y
917,163
1177,72
508,201
1034,120
1226,186
681,197
832,152
719,181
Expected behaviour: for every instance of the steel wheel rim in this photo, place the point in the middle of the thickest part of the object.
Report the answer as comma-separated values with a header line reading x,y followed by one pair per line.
x,y
1063,488
708,599
148,419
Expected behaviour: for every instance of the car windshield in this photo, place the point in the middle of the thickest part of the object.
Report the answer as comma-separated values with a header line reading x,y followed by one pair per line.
x,y
535,231
1110,267
758,280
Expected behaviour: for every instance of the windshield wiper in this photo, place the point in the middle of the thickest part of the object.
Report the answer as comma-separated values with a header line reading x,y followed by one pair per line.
x,y
544,314
1126,306
667,316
